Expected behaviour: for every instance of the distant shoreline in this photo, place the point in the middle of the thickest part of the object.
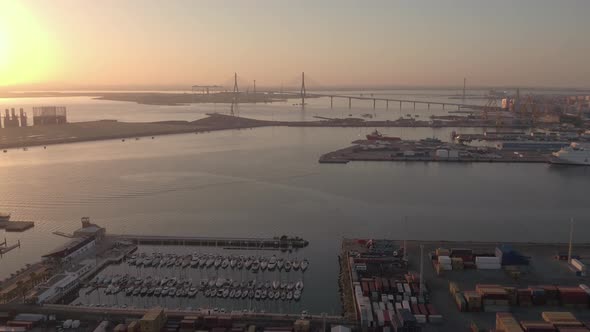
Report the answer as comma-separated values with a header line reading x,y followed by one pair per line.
x,y
163,99
11,138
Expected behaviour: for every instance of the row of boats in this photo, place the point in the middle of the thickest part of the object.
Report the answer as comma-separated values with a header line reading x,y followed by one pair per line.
x,y
197,260
216,287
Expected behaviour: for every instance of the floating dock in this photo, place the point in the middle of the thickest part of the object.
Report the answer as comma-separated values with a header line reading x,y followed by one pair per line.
x,y
16,226
279,243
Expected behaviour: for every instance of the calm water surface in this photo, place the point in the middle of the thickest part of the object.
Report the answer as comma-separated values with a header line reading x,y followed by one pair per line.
x,y
267,182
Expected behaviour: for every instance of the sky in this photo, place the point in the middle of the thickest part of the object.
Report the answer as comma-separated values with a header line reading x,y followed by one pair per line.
x,y
68,44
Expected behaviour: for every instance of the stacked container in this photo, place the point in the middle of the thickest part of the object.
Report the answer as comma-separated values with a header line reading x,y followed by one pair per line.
x,y
573,297
488,263
537,326
507,323
445,263
561,319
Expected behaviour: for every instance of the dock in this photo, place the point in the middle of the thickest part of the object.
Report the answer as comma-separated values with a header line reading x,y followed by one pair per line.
x,y
16,226
278,243
425,151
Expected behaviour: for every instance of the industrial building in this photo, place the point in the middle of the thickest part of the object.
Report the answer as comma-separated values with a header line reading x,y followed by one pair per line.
x,y
48,115
11,120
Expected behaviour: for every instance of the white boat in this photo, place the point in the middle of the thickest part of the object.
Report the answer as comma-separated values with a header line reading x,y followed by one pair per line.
x,y
276,284
226,292
290,286
575,154
296,264
220,282
225,263
280,263
233,262
299,285
238,293
217,262
297,295
257,294
287,266
289,296
263,264
248,263
272,263
255,265
210,262
304,265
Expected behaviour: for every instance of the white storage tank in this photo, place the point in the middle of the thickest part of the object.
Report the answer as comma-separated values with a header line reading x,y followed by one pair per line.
x,y
442,153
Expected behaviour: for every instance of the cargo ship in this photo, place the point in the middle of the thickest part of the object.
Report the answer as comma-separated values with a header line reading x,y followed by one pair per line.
x,y
575,154
377,136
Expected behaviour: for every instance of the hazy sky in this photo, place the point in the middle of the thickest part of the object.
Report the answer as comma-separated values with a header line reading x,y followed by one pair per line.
x,y
413,42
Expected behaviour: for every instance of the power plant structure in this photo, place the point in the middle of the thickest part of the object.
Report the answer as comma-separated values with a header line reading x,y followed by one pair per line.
x,y
11,120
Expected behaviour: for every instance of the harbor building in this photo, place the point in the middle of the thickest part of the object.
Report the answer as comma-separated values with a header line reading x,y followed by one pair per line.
x,y
49,115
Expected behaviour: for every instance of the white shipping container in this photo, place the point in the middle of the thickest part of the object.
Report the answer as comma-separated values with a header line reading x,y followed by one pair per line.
x,y
389,306
584,287
444,259
382,306
380,318
578,265
414,300
390,297
400,288
406,304
407,289
398,306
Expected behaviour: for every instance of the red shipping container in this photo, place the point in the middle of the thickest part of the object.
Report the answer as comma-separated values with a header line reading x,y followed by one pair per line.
x,y
371,286
422,309
365,286
386,317
415,309
378,285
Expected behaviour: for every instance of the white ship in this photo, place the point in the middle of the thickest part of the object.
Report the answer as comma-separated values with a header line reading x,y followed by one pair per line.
x,y
575,154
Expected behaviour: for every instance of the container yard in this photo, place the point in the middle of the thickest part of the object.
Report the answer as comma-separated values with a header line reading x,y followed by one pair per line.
x,y
386,285
465,286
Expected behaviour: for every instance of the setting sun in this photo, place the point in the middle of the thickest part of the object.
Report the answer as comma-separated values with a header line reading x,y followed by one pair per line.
x,y
25,49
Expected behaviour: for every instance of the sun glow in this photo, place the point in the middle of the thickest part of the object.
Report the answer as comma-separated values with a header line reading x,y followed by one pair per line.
x,y
26,53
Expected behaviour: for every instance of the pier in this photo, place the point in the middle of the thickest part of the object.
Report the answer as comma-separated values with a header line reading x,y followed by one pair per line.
x,y
5,248
279,243
421,151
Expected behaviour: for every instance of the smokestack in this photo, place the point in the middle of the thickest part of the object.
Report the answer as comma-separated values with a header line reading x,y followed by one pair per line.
x,y
13,113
